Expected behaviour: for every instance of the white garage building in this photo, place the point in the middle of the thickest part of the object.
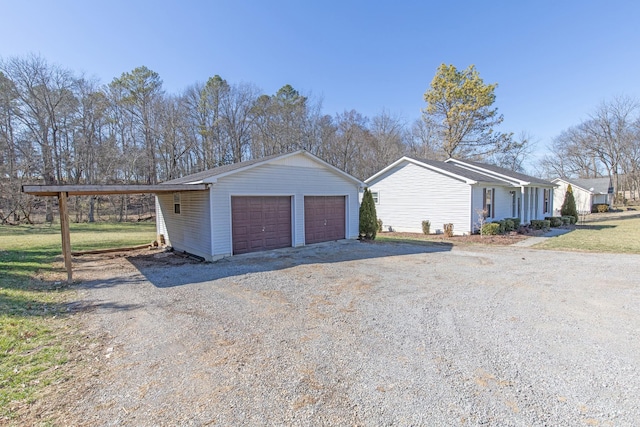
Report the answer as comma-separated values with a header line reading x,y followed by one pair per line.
x,y
274,202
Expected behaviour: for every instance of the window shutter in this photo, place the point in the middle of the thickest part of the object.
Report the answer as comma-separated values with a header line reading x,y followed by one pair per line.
x,y
493,203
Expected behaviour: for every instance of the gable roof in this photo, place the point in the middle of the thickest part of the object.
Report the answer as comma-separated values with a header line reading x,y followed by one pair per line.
x,y
590,185
516,178
211,175
470,172
468,176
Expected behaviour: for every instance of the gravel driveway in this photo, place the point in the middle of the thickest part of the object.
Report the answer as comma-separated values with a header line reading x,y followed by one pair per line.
x,y
369,334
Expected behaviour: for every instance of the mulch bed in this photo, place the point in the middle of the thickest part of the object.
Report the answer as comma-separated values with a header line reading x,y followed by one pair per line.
x,y
507,239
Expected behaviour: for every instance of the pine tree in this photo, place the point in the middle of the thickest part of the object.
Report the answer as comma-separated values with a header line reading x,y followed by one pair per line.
x,y
569,204
368,219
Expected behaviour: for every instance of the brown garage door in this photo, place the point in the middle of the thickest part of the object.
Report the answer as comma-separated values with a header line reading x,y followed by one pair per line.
x,y
260,223
324,218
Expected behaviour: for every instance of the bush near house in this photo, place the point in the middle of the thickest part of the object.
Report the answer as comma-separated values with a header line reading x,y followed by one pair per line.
x,y
491,229
555,221
540,224
516,222
448,230
426,226
379,225
368,220
509,225
599,208
566,220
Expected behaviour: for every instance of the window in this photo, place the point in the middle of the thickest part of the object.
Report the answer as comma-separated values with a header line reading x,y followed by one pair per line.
x,y
537,198
376,197
514,206
176,203
547,199
488,195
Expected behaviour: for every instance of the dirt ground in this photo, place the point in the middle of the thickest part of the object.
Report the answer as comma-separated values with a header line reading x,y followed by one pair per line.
x,y
353,334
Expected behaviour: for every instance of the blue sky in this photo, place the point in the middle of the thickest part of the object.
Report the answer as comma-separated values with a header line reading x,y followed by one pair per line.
x,y
554,61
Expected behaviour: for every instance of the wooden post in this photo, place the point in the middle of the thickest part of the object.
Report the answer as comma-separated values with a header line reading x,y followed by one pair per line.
x,y
66,239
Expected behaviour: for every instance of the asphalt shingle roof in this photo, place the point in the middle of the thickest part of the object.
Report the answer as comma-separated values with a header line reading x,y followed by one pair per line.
x,y
199,176
466,173
599,185
508,172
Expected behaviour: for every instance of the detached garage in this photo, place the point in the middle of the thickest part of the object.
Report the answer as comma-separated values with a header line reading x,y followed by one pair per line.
x,y
274,202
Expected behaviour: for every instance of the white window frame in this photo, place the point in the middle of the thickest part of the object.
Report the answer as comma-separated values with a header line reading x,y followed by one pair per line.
x,y
376,197
177,204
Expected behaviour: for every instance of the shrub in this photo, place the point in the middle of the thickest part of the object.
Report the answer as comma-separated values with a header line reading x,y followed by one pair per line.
x,y
569,204
599,208
501,226
448,230
368,220
555,221
516,222
566,220
509,225
379,225
540,224
426,226
491,229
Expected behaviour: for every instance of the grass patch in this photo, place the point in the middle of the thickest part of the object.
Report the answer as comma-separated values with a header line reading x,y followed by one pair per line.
x,y
34,326
620,235
408,239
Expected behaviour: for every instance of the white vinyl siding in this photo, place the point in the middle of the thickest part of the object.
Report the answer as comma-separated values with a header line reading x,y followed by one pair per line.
x,y
189,230
412,194
582,198
284,179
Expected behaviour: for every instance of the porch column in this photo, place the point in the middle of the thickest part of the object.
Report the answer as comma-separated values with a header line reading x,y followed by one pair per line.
x,y
523,212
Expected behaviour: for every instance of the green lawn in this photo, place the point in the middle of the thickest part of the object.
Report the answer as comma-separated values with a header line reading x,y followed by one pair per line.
x,y
617,236
34,326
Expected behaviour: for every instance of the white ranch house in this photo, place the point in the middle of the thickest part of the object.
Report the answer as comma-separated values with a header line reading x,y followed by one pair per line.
x,y
454,191
586,192
278,201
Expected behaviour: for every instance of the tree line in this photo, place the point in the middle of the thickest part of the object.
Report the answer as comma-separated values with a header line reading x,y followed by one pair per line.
x,y
605,144
58,127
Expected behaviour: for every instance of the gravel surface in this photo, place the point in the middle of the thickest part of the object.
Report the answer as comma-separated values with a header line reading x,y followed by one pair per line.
x,y
368,334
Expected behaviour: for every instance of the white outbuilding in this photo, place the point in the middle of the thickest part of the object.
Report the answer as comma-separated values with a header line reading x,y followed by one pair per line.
x,y
278,201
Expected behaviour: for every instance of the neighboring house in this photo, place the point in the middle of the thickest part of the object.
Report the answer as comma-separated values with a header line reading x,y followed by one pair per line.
x,y
458,192
586,192
277,201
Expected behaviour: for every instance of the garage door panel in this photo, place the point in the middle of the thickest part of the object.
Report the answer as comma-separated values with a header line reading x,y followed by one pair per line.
x,y
260,223
324,218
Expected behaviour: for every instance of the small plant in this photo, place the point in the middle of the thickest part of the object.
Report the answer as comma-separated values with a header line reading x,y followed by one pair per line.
x,y
501,226
448,230
482,219
566,220
379,225
599,208
540,224
426,226
490,229
509,225
516,222
555,221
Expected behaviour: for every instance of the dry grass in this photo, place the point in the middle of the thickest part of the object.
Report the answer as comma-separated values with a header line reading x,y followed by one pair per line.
x,y
35,329
620,235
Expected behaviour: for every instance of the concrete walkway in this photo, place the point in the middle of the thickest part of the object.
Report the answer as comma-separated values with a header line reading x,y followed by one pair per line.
x,y
539,239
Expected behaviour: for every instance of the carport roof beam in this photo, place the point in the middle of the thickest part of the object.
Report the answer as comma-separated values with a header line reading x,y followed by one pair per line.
x,y
91,190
